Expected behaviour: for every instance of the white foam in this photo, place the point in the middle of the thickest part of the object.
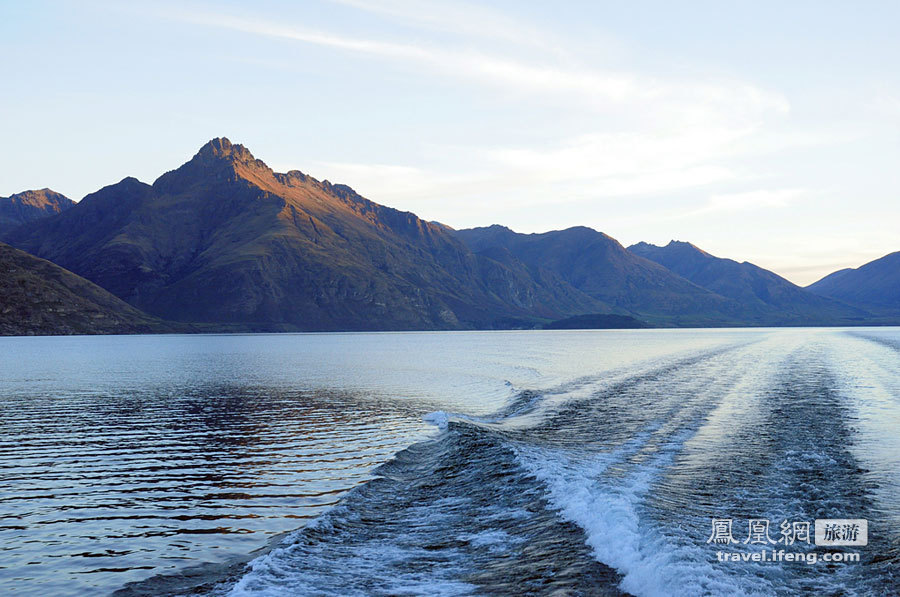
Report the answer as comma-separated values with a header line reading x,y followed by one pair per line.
x,y
609,511
437,418
327,566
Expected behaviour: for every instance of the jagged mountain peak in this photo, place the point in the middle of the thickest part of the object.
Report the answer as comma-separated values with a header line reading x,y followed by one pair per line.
x,y
686,246
221,147
219,160
220,150
41,197
27,206
673,245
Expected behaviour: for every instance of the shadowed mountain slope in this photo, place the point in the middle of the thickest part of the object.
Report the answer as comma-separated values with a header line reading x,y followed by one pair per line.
x,y
223,238
875,285
28,206
754,287
599,266
40,298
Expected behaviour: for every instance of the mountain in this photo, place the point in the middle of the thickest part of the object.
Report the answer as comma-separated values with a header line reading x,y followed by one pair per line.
x,y
223,238
597,265
875,285
223,242
28,206
40,298
755,288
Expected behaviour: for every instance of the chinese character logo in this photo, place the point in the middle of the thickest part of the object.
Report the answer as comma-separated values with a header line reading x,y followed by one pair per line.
x,y
794,532
721,531
758,532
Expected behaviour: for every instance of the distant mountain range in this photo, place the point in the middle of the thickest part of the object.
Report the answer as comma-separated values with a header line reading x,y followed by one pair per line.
x,y
224,242
760,292
874,286
601,268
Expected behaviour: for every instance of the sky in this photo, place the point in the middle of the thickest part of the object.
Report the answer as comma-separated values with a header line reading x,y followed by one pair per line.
x,y
761,131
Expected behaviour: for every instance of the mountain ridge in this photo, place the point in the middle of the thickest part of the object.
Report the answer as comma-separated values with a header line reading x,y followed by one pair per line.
x,y
753,286
225,241
601,267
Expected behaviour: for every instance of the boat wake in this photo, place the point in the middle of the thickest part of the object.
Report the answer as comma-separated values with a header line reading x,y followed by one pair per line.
x,y
607,486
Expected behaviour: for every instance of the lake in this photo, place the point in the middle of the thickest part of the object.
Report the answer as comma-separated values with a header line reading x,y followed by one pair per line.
x,y
448,463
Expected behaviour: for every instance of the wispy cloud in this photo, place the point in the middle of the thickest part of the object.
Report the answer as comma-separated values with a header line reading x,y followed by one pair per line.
x,y
461,63
688,101
458,18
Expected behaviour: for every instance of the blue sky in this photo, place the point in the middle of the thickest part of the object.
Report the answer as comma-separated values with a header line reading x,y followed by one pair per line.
x,y
761,131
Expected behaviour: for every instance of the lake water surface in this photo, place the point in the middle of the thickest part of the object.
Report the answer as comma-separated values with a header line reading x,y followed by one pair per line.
x,y
446,463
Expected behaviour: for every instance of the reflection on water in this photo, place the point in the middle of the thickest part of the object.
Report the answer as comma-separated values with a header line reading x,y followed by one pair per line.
x,y
98,483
